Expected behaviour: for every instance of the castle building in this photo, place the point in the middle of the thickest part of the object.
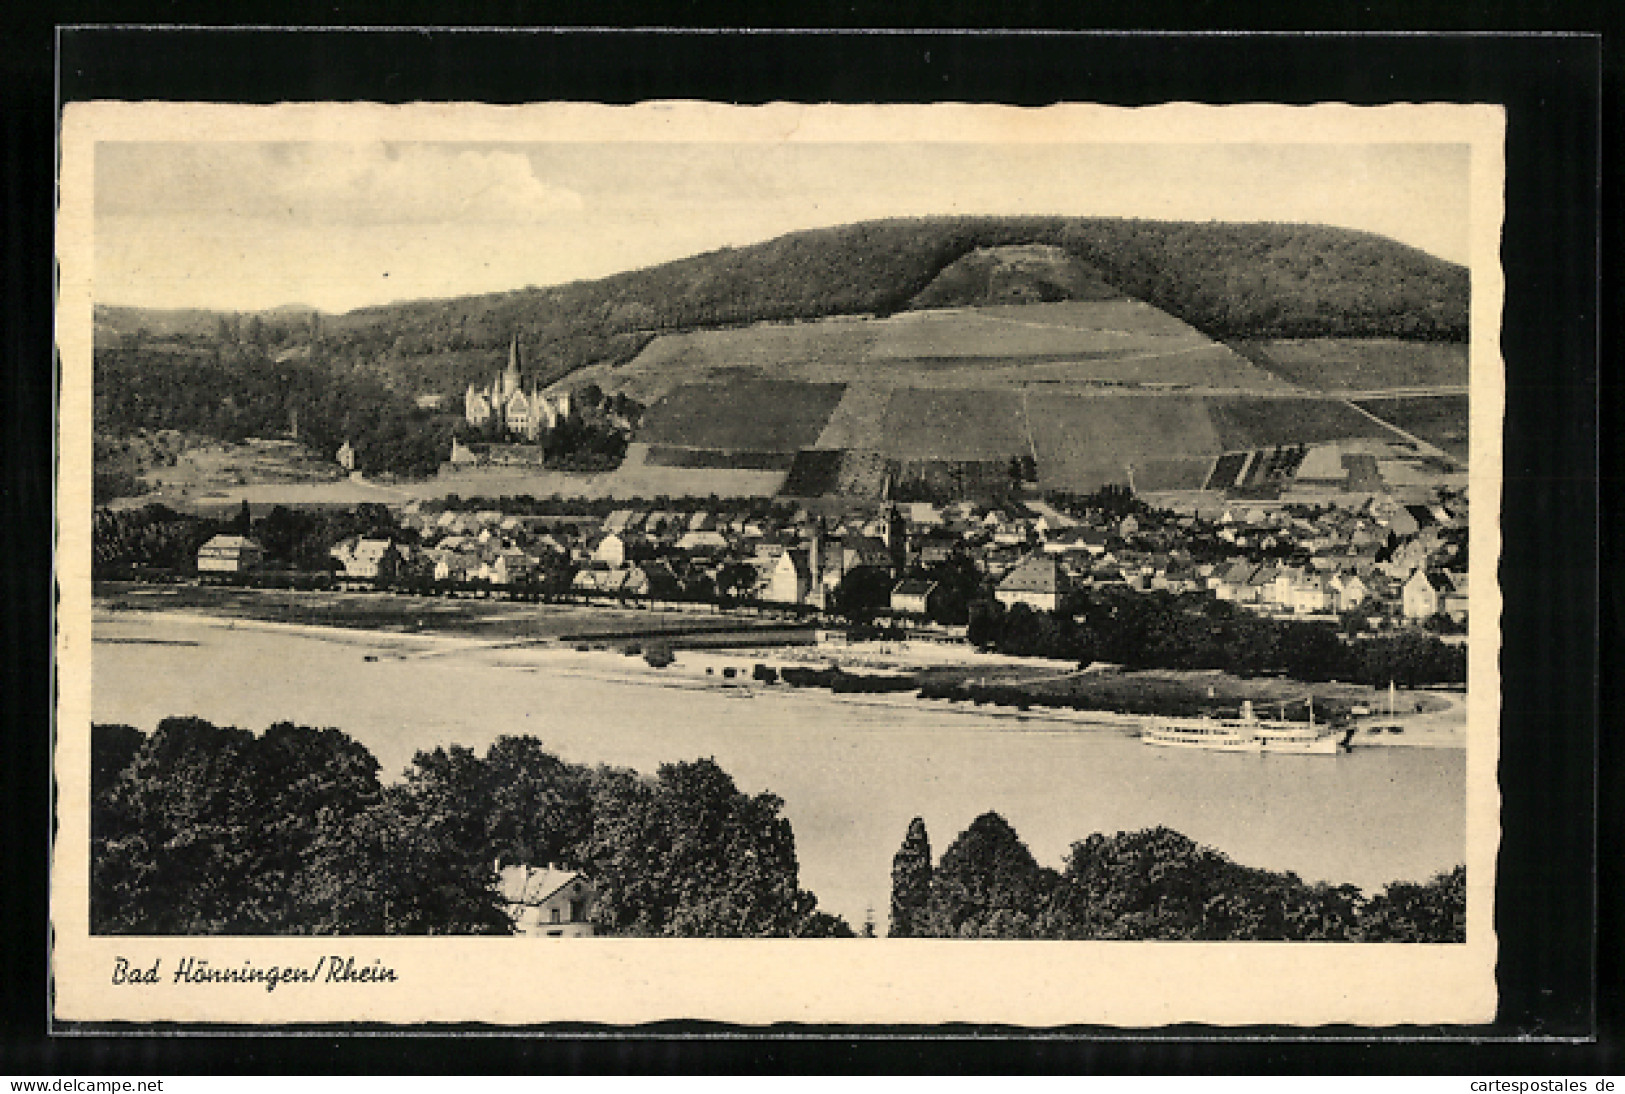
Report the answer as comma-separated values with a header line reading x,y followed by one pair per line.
x,y
505,401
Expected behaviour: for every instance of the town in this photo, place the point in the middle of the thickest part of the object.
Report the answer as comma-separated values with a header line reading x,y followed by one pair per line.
x,y
1379,567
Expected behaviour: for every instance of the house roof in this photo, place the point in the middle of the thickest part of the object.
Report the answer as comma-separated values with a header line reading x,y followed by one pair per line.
x,y
798,559
914,587
232,543
532,884
1036,574
869,550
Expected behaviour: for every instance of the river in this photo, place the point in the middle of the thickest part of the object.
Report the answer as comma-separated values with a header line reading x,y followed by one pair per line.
x,y
852,774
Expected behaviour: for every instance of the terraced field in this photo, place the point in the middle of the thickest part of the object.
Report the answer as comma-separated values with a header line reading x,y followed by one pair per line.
x,y
1085,442
1099,392
1261,423
737,459
1078,342
744,415
1441,420
929,424
856,422
1359,364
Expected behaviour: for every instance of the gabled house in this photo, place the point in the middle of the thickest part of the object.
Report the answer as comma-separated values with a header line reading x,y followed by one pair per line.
x,y
704,543
789,579
620,549
511,567
1347,591
1038,582
366,558
454,565
229,555
1421,596
547,901
914,596
1310,594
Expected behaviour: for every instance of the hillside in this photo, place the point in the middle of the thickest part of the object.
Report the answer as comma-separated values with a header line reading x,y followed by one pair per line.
x,y
871,325
1225,280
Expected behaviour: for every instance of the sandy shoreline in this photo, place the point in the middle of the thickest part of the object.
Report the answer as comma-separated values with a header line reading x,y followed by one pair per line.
x,y
704,670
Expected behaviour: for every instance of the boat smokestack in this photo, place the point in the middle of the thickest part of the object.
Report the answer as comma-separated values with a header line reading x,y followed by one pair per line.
x,y
1246,710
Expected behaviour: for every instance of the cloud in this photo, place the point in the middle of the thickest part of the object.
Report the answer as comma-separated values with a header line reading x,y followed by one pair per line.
x,y
328,183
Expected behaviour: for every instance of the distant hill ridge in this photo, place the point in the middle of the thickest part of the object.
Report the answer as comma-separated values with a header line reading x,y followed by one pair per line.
x,y
1226,280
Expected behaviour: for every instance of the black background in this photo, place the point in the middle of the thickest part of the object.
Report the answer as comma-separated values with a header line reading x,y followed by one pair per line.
x,y
1556,913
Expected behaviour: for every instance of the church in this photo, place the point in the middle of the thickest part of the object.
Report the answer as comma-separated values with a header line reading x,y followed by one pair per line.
x,y
505,402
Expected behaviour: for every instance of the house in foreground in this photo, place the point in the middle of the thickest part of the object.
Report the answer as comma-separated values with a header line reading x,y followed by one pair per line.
x,y
546,901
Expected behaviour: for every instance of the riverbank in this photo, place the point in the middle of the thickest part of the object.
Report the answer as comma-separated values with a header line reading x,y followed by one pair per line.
x,y
853,770
505,639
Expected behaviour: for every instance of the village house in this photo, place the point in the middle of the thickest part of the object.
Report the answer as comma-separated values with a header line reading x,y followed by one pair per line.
x,y
1420,597
913,596
789,578
621,549
703,543
1038,582
510,567
1347,591
547,901
229,555
648,579
1234,582
454,566
367,559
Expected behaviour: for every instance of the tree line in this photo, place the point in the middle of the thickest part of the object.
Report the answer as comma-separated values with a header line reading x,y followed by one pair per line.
x,y
1227,280
235,391
1162,630
1152,884
203,829
126,542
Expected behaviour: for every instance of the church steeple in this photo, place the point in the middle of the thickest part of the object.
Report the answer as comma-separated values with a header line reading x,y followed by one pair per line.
x,y
510,379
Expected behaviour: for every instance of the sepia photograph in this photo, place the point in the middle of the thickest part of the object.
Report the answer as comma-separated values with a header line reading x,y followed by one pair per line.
x,y
955,544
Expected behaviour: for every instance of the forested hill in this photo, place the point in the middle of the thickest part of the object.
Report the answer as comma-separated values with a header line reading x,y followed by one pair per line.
x,y
1227,280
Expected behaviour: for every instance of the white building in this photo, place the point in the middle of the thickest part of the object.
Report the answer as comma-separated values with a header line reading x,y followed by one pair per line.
x,y
1038,582
506,401
229,555
546,901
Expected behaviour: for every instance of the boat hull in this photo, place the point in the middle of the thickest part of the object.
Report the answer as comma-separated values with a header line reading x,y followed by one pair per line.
x,y
1211,740
1244,737
1329,745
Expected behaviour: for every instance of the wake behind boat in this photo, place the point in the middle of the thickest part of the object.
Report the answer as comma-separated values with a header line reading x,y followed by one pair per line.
x,y
1247,733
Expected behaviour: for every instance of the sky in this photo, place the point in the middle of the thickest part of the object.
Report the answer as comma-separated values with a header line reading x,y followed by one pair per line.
x,y
242,225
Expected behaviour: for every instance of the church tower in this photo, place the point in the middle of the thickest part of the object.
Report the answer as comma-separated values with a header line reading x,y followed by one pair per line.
x,y
510,379
896,538
815,566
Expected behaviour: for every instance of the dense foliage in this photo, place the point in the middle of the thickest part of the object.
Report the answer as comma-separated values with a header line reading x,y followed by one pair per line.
x,y
1151,884
353,374
1158,630
910,882
156,538
198,829
232,392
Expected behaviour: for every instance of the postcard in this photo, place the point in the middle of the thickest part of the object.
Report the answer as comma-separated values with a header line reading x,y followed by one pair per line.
x,y
837,565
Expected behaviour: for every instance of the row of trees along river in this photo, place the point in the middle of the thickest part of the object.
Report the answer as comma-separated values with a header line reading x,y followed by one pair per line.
x,y
200,829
